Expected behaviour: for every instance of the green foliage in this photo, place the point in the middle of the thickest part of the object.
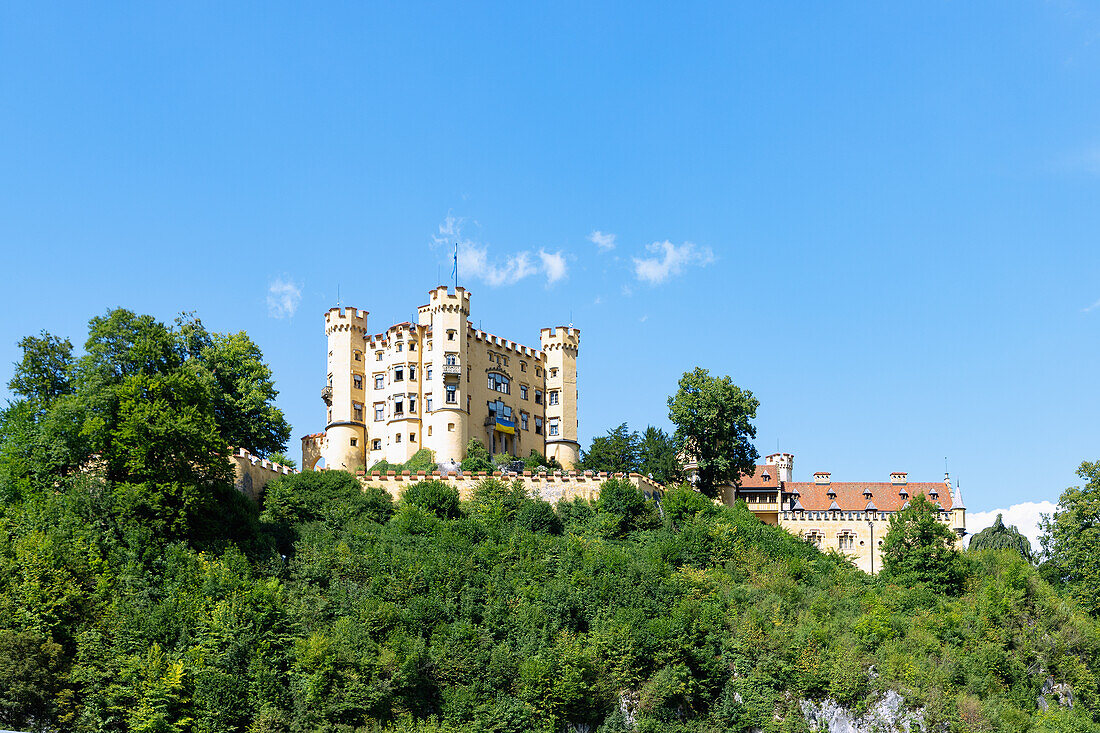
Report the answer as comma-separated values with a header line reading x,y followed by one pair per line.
x,y
1071,539
920,549
616,452
45,372
282,459
477,457
422,460
713,419
621,508
435,497
1000,537
658,456
494,500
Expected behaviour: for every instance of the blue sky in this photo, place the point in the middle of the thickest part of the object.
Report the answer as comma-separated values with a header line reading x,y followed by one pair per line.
x,y
881,218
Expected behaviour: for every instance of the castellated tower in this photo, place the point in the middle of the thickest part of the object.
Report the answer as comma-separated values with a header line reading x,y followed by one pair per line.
x,y
446,316
346,437
560,346
784,464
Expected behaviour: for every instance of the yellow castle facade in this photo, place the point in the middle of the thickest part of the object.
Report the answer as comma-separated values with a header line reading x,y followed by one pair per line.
x,y
437,384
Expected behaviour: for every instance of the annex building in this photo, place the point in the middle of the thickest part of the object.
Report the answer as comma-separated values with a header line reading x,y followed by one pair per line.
x,y
437,384
849,517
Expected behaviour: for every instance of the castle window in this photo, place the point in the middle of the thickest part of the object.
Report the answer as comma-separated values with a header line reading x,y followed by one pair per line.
x,y
538,396
452,394
358,411
554,373
412,373
523,391
412,346
499,409
330,415
429,409
376,444
450,335
428,346
499,383
400,346
815,538
523,366
506,361
379,381
412,437
357,381
378,356
412,403
846,540
397,438
398,407
523,420
553,397
330,380
450,359
354,441
428,375
358,355
450,427
538,372
538,426
379,412
399,375
429,431
553,426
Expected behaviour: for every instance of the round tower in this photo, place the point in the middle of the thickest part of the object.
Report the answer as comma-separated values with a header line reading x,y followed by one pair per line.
x,y
345,428
447,316
784,465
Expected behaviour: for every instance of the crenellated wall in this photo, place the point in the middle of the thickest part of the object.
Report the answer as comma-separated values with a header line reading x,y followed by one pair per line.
x,y
550,487
252,473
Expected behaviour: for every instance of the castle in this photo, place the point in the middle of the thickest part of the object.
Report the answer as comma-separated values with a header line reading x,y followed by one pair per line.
x,y
439,383
851,518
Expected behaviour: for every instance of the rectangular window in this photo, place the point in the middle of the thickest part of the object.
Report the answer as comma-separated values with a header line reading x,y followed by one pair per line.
x,y
379,412
397,438
553,426
358,410
412,437
429,403
554,373
450,335
412,373
538,426
499,383
378,356
452,394
354,442
379,381
400,346
412,403
523,366
538,396
523,420
399,375
376,444
553,397
523,391
428,376
451,359
412,346
359,356
538,372
398,408
357,381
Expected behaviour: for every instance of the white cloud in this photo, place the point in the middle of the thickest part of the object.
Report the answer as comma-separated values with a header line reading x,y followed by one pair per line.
x,y
1091,307
553,264
597,301
475,261
669,260
283,297
1025,516
601,240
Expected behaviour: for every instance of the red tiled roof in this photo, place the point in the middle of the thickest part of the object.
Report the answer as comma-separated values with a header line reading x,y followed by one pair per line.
x,y
815,497
763,477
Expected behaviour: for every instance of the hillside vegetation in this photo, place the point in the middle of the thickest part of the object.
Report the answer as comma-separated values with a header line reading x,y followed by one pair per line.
x,y
138,592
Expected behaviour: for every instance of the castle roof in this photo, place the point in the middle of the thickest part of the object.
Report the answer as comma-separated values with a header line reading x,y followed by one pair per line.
x,y
762,477
851,498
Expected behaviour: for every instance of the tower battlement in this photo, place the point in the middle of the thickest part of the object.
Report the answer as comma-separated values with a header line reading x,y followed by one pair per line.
x,y
560,337
447,299
345,319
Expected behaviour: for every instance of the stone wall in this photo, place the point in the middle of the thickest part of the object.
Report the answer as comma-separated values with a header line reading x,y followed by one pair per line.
x,y
551,487
252,473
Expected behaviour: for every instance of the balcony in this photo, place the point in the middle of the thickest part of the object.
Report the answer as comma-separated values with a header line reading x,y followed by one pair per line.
x,y
326,395
452,370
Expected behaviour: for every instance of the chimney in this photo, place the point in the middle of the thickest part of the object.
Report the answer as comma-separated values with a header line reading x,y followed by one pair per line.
x,y
822,477
899,477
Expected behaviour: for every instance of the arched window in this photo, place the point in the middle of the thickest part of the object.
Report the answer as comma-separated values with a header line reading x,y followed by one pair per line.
x,y
500,383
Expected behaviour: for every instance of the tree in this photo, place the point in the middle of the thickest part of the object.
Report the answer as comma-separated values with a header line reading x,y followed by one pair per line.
x,y
45,371
1071,539
659,457
920,549
434,496
617,452
282,459
1000,537
713,419
477,457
